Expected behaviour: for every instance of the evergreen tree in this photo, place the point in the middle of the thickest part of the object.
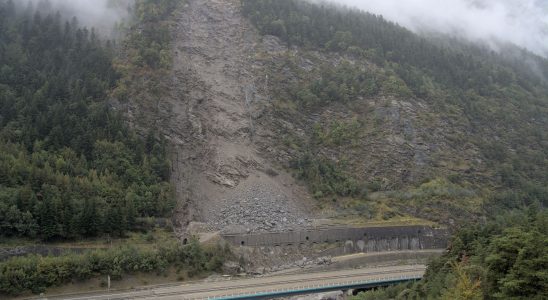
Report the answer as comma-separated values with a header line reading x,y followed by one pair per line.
x,y
62,149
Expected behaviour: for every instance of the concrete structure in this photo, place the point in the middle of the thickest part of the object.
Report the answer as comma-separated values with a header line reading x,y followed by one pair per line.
x,y
353,239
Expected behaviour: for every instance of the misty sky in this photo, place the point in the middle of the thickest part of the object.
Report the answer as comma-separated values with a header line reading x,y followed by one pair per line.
x,y
522,22
101,14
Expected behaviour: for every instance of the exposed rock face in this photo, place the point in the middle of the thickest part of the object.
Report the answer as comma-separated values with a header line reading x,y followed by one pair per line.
x,y
218,172
232,138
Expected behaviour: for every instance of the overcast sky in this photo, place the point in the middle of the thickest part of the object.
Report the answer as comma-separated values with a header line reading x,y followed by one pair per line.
x,y
522,22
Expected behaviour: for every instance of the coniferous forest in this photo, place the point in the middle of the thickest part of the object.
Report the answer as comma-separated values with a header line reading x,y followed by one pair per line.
x,y
71,168
69,165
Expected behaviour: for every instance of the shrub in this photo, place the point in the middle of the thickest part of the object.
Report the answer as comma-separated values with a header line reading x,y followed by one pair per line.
x,y
36,273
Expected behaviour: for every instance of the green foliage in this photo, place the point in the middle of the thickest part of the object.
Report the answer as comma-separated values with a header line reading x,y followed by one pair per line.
x,y
509,257
36,273
439,190
463,287
506,258
395,86
343,83
150,45
341,41
336,29
325,177
401,291
496,102
153,10
337,133
145,61
517,262
69,166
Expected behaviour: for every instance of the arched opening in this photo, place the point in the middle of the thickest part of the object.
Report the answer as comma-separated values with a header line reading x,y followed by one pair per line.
x,y
185,241
307,238
242,243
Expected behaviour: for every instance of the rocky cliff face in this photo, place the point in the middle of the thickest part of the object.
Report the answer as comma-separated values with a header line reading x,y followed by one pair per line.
x,y
221,177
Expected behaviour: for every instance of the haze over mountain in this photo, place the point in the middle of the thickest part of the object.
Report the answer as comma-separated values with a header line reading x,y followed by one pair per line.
x,y
521,22
100,14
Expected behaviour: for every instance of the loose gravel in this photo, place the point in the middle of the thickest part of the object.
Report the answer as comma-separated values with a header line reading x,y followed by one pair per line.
x,y
258,209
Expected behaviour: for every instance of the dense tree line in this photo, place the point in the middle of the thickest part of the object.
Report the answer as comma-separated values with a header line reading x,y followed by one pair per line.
x,y
69,165
152,40
506,258
35,273
340,29
326,178
146,59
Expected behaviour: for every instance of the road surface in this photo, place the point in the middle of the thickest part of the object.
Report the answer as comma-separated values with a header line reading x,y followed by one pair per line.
x,y
268,285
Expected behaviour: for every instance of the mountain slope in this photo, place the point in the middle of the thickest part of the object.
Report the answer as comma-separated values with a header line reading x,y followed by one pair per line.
x,y
379,123
221,179
384,122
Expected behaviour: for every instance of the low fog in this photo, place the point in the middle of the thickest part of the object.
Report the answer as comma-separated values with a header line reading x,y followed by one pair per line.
x,y
102,15
521,22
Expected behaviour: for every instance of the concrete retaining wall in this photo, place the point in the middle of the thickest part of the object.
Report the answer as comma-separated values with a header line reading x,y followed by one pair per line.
x,y
365,239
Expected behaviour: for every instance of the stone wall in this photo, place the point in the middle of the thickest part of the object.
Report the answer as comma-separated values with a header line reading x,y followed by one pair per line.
x,y
364,239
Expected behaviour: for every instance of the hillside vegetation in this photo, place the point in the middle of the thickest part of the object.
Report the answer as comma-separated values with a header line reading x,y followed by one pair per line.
x,y
380,122
503,259
382,126
162,257
436,129
69,164
72,168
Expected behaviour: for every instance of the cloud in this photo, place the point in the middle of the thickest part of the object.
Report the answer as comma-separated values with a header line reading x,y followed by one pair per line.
x,y
100,14
521,22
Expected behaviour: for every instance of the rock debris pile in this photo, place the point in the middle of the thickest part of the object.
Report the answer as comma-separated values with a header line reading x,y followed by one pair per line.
x,y
258,209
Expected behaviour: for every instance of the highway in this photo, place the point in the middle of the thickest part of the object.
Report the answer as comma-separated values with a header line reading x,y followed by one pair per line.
x,y
267,286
